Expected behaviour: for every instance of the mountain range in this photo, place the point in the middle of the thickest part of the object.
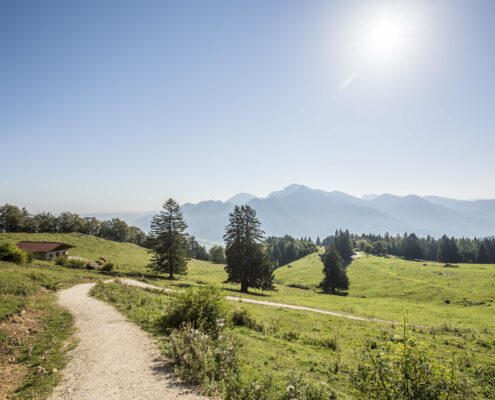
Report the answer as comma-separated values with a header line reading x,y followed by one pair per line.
x,y
301,211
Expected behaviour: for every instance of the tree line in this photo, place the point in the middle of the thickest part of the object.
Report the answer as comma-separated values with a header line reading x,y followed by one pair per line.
x,y
286,249
411,247
15,219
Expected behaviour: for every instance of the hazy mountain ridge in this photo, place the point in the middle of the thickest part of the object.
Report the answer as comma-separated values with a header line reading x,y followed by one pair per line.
x,y
301,211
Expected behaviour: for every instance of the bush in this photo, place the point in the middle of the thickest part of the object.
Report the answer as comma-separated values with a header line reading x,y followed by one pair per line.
x,y
11,253
268,387
400,370
108,266
242,317
203,308
62,261
65,261
202,360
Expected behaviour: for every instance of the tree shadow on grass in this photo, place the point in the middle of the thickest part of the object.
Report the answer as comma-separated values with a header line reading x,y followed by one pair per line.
x,y
237,291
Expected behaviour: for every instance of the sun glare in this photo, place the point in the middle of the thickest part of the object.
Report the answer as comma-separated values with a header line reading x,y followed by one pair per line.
x,y
386,37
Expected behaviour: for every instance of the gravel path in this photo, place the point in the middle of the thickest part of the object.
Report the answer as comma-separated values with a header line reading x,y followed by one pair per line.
x,y
114,358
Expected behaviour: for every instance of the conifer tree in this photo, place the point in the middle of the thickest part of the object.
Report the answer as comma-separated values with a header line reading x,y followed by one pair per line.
x,y
335,276
247,259
168,241
343,244
448,251
483,257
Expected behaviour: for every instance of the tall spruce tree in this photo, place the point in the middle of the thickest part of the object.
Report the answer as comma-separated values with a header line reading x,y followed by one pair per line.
x,y
247,259
335,277
169,246
483,257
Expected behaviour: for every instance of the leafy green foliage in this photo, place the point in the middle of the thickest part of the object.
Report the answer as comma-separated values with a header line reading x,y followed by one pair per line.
x,y
108,266
70,262
195,250
292,387
217,255
13,219
202,308
203,360
242,317
11,253
400,370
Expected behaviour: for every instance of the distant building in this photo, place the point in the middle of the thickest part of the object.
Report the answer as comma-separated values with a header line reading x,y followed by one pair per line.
x,y
45,250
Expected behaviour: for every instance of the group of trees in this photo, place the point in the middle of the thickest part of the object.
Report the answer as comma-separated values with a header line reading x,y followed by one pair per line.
x,y
343,243
15,219
247,258
446,249
286,249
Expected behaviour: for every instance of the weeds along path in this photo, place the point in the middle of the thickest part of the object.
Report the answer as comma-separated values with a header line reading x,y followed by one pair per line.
x,y
114,359
132,282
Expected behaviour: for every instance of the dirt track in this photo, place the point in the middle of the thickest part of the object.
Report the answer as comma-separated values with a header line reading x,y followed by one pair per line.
x,y
114,359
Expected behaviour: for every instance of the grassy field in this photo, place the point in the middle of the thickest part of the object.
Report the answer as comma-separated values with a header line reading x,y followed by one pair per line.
x,y
322,348
128,257
383,288
456,303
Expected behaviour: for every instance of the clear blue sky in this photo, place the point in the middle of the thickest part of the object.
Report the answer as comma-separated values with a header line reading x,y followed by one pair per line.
x,y
118,105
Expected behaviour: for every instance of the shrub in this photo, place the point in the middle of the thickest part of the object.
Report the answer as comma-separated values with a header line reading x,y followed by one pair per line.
x,y
108,266
291,387
65,261
203,308
400,370
11,253
242,317
76,263
62,261
202,360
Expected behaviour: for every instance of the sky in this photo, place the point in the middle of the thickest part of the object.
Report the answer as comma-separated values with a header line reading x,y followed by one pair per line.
x,y
119,105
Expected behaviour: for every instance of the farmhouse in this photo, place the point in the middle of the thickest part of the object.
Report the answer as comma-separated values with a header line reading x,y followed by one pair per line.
x,y
45,250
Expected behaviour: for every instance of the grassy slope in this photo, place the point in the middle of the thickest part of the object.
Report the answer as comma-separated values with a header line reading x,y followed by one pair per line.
x,y
128,256
385,288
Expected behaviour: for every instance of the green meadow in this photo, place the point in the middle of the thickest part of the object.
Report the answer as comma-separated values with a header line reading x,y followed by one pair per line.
x,y
128,257
455,304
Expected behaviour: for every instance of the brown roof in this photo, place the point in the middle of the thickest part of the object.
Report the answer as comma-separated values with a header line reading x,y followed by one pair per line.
x,y
43,247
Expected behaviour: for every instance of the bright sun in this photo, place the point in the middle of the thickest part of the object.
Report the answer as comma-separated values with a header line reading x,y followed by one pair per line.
x,y
385,37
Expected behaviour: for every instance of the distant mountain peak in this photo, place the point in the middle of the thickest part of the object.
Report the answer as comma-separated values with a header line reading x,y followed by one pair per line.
x,y
241,198
287,191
